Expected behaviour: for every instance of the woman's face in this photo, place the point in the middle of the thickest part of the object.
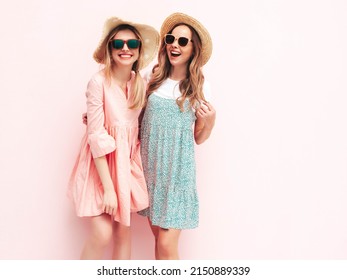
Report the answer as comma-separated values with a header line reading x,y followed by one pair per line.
x,y
177,54
125,55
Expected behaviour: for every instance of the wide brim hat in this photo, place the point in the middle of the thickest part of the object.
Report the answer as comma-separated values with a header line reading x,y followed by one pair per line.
x,y
179,18
149,40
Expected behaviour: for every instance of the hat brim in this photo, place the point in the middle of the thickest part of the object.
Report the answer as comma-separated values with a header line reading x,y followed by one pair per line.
x,y
149,42
179,18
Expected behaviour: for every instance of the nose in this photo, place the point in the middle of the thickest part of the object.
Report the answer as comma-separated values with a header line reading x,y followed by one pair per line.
x,y
125,47
175,43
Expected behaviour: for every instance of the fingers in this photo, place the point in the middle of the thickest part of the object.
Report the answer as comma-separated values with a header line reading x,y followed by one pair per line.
x,y
201,113
208,105
206,113
109,209
205,109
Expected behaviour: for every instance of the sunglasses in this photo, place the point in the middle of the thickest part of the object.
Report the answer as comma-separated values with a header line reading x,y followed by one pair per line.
x,y
131,43
182,41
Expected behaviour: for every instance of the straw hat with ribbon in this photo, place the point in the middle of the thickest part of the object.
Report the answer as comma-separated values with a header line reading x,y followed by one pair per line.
x,y
179,18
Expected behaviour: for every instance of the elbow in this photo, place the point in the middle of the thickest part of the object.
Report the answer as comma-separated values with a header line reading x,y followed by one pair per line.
x,y
199,141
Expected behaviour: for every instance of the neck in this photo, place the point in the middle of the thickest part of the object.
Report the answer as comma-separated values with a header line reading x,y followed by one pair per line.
x,y
178,73
121,74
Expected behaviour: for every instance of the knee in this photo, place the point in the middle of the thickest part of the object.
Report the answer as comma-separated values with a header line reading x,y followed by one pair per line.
x,y
121,232
102,236
166,248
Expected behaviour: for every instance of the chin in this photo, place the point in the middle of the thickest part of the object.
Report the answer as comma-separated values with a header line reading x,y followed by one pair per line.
x,y
175,62
178,61
126,63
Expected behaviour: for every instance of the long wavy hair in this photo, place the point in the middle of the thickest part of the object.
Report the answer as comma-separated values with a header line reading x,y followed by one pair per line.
x,y
138,89
192,86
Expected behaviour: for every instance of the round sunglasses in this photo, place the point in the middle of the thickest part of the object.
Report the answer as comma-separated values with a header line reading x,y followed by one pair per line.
x,y
170,39
131,43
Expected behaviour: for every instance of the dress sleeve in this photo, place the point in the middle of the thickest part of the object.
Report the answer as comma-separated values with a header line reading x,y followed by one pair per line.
x,y
100,142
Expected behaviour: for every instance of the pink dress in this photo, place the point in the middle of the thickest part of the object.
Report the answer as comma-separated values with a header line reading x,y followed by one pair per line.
x,y
112,130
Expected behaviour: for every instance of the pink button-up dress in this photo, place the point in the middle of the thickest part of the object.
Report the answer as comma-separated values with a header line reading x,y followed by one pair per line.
x,y
112,130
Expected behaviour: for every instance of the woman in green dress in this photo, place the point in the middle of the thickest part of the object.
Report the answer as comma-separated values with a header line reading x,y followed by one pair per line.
x,y
177,113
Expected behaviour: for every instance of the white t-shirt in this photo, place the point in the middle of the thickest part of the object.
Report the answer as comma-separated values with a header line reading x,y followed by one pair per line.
x,y
169,89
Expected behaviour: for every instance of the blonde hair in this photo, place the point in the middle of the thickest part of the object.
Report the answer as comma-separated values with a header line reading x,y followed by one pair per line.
x,y
138,90
192,86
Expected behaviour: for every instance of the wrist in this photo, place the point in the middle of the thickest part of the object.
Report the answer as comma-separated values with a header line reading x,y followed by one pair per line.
x,y
109,189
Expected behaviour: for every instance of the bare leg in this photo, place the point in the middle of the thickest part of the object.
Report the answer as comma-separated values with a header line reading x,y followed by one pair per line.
x,y
166,243
155,231
122,242
99,238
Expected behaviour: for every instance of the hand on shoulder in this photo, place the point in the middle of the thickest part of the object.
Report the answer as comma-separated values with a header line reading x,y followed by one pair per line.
x,y
206,113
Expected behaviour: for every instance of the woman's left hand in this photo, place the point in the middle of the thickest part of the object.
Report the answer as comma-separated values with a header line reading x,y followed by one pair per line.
x,y
207,114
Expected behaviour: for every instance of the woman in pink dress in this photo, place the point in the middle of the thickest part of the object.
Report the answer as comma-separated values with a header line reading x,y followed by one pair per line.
x,y
107,182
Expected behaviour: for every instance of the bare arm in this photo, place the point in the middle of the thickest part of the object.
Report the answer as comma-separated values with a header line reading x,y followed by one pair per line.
x,y
110,199
205,119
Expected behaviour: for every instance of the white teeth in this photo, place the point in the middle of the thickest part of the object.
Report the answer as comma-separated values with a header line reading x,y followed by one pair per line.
x,y
125,55
175,54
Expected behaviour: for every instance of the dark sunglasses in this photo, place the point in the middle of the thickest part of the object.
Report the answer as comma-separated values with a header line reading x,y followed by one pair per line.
x,y
182,41
131,43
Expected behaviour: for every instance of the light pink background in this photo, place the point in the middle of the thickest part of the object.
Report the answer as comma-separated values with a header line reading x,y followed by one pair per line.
x,y
272,178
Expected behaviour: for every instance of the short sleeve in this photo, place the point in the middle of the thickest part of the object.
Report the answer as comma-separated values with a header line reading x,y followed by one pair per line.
x,y
147,75
207,91
100,142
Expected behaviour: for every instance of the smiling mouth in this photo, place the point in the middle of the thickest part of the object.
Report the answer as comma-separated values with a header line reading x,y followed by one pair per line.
x,y
122,55
175,54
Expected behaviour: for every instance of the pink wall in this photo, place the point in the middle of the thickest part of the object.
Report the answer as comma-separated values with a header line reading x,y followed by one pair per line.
x,y
272,178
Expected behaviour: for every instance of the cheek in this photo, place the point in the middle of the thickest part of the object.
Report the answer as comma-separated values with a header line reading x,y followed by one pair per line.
x,y
190,51
113,55
186,55
136,54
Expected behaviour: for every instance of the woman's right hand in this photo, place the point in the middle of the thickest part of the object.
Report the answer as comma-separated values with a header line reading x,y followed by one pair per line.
x,y
110,202
84,118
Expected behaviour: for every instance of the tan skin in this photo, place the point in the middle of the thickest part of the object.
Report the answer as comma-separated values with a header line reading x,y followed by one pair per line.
x,y
104,228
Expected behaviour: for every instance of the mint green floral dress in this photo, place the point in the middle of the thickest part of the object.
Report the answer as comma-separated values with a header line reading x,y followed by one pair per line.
x,y
167,151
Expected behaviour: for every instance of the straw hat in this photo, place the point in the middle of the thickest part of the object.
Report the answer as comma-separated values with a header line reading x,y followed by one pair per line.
x,y
149,40
204,35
